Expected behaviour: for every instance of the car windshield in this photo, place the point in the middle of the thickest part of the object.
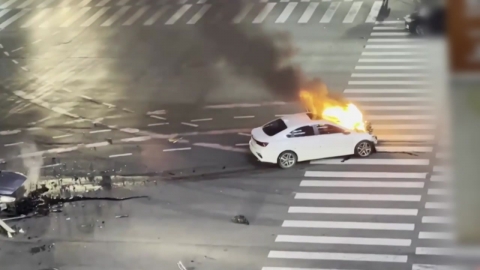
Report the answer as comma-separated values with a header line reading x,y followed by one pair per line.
x,y
274,127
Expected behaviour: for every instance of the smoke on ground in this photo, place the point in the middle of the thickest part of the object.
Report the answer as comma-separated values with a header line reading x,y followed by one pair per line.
x,y
32,165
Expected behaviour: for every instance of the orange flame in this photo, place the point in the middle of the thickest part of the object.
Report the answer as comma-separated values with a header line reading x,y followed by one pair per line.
x,y
320,104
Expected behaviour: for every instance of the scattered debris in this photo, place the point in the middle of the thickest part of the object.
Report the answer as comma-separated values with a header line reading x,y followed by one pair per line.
x,y
39,249
121,216
174,139
181,266
240,219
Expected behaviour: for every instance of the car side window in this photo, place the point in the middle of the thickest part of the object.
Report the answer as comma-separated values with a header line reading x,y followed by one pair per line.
x,y
302,132
329,129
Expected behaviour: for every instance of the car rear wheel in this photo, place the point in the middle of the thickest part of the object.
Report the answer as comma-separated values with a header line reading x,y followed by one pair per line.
x,y
287,159
364,149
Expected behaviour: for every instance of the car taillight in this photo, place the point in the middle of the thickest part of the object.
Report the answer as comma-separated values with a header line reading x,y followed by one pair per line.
x,y
262,144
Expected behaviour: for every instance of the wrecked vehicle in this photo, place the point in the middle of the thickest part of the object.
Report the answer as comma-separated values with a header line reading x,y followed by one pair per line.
x,y
11,188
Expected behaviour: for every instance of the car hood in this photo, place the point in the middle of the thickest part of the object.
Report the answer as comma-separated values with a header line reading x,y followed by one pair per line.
x,y
10,182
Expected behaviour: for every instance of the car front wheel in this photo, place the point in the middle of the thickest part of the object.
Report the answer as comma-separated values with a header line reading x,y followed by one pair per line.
x,y
364,149
287,159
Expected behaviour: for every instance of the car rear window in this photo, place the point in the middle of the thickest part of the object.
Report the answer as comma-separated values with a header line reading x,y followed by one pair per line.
x,y
274,127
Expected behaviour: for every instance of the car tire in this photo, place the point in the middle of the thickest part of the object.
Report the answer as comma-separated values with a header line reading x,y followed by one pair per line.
x,y
419,30
364,149
287,159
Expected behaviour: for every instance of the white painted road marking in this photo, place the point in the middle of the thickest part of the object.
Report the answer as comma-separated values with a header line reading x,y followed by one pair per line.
x,y
351,174
360,184
389,53
405,127
244,117
389,67
75,17
157,124
201,120
264,13
100,131
385,91
358,161
199,14
156,16
327,17
388,46
437,220
177,149
286,13
397,108
308,13
372,16
348,225
115,16
400,117
12,144
388,83
95,17
353,211
14,18
62,136
387,75
344,240
357,197
120,155
36,18
158,117
180,12
189,124
407,149
337,256
243,13
390,99
352,13
384,34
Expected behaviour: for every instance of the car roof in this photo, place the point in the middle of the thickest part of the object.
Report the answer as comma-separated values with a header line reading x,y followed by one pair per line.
x,y
303,119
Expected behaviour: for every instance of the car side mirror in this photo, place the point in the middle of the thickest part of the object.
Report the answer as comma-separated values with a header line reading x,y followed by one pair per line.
x,y
289,136
346,132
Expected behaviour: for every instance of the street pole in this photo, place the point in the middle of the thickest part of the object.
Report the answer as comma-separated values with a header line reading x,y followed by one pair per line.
x,y
464,55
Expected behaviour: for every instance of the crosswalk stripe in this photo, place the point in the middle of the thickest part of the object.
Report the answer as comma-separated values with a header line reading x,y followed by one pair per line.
x,y
437,205
348,225
405,127
377,34
387,28
156,16
394,40
337,256
180,12
405,138
357,197
44,3
372,16
473,253
352,211
400,117
136,15
352,13
115,16
286,13
390,53
351,174
343,240
84,3
95,17
75,17
371,161
440,169
376,60
327,17
408,149
102,3
64,3
435,235
361,184
388,83
308,13
437,191
436,267
3,12
243,13
397,108
14,18
199,14
26,3
389,99
36,17
264,13
385,91
389,22
436,220
406,46
388,75
7,4
389,67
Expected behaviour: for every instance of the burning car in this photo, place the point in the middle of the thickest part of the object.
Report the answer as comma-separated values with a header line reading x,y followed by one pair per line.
x,y
329,128
302,137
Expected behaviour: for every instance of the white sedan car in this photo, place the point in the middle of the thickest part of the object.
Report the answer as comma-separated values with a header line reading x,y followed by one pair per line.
x,y
300,137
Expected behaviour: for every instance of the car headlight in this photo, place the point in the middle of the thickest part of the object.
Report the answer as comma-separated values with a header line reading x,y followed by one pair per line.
x,y
7,199
408,18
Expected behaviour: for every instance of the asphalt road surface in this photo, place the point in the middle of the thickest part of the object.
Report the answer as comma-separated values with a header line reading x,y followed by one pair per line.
x,y
104,85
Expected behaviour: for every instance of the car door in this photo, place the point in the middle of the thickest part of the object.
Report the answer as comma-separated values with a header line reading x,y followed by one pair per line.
x,y
301,141
335,141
